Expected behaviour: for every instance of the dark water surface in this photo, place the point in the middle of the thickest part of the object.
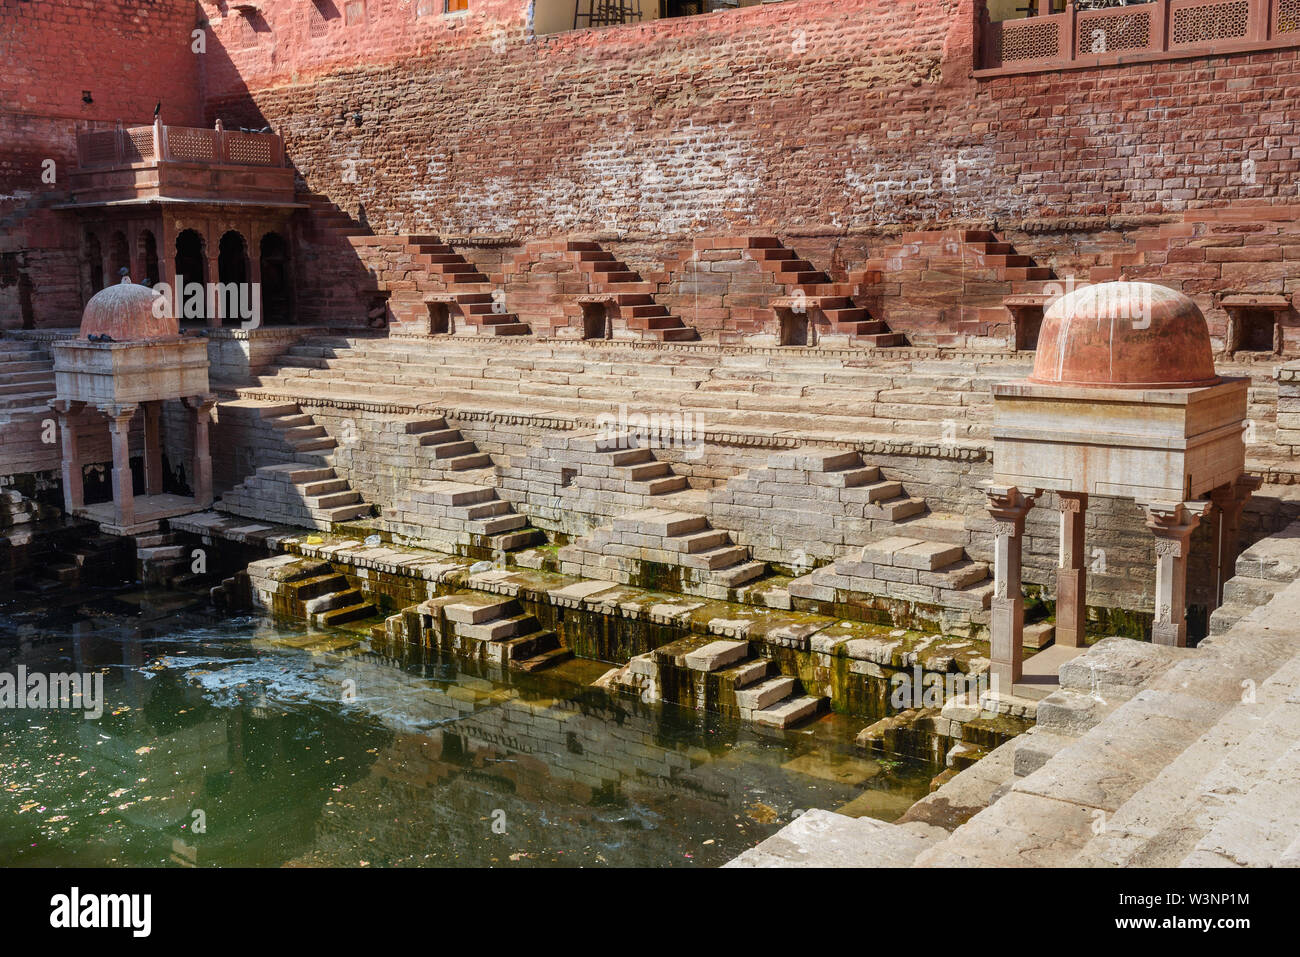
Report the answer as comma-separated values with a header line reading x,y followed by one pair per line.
x,y
248,742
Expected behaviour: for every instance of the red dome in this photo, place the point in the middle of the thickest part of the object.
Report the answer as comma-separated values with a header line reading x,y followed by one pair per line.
x,y
126,313
1124,335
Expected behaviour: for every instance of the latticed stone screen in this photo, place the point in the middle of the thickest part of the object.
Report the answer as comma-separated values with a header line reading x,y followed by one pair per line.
x,y
139,144
1287,17
1027,40
190,144
1207,22
1113,33
244,150
98,149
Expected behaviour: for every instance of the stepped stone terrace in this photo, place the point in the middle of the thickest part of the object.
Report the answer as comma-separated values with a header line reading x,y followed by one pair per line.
x,y
935,392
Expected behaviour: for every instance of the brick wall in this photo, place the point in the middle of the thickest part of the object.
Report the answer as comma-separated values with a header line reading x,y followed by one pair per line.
x,y
129,55
840,114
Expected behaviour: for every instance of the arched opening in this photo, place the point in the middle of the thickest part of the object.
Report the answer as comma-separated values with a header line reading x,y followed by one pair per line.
x,y
232,274
277,291
595,321
191,267
95,258
232,258
149,258
794,328
119,257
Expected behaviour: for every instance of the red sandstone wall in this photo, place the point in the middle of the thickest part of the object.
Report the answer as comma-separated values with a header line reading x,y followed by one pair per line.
x,y
129,54
807,113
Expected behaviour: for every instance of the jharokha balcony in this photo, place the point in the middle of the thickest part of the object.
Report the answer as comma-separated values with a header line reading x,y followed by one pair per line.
x,y
1047,35
180,164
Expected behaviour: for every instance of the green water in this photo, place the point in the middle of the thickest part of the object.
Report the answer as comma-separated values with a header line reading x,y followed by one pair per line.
x,y
245,742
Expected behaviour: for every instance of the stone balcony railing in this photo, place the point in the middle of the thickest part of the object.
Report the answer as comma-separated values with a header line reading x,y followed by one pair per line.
x,y
1157,30
180,163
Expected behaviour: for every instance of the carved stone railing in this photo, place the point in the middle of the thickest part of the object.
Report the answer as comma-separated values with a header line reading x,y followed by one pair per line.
x,y
130,145
1158,30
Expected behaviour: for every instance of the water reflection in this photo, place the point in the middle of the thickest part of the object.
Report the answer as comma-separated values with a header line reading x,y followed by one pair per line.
x,y
243,742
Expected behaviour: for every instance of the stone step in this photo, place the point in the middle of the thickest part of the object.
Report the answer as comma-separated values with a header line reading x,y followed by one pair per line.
x,y
497,628
785,714
698,541
455,493
647,471
544,660
329,601
661,523
498,525
344,513
297,474
324,487
422,426
475,609
1262,826
314,445
332,500
464,463
734,576
825,839
341,616
716,655
765,693
666,485
715,558
451,449
440,437
1163,822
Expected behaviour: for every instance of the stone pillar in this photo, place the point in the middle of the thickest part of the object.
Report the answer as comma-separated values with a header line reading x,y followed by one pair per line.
x,y
153,475
1008,506
202,478
1173,524
74,495
1229,502
213,310
1071,572
119,425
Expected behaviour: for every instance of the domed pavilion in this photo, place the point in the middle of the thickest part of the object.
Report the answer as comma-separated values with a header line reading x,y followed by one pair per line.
x,y
130,356
1123,401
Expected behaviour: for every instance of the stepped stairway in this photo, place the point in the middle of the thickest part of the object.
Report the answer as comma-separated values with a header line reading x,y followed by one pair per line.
x,y
1209,789
631,298
979,268
812,290
70,557
305,491
923,400
643,546
163,561
727,674
298,494
435,290
459,508
306,588
26,378
1262,570
496,630
325,250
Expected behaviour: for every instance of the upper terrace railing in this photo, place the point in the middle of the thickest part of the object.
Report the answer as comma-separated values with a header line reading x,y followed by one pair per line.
x,y
125,146
1160,29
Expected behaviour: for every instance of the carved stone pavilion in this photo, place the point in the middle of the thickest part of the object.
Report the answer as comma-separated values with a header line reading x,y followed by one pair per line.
x,y
136,362
1124,402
